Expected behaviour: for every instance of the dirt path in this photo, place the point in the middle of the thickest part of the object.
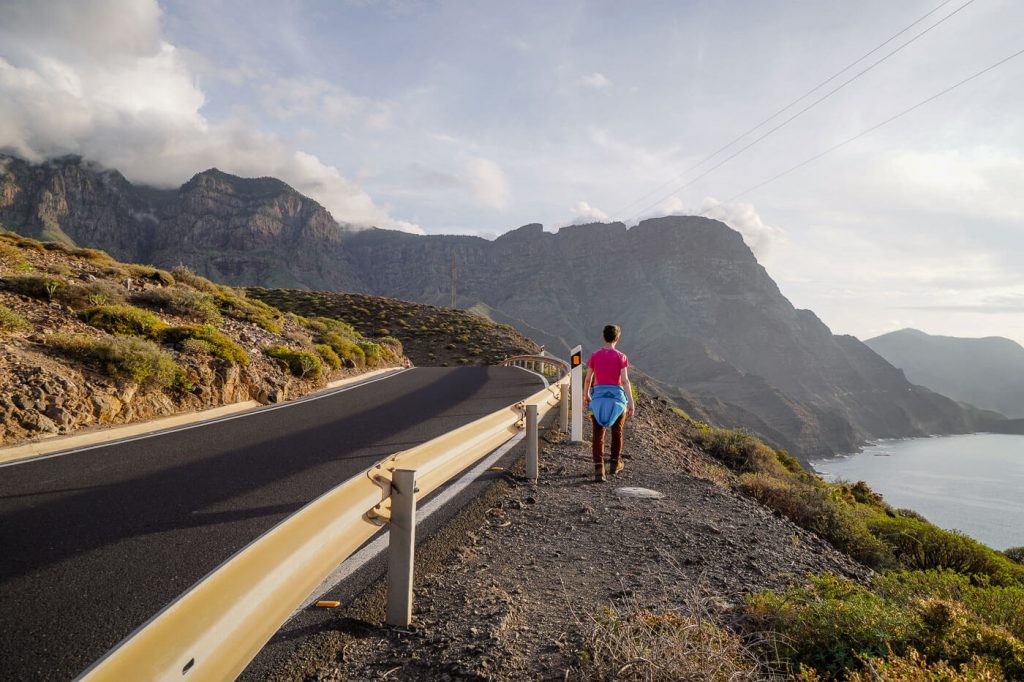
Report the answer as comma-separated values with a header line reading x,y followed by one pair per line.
x,y
510,601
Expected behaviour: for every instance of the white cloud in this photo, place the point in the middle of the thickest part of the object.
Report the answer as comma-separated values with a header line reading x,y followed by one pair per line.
x,y
289,98
596,80
487,182
585,213
743,218
96,78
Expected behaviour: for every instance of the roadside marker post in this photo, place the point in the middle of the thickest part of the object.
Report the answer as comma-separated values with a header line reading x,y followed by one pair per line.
x,y
532,444
401,545
576,385
563,409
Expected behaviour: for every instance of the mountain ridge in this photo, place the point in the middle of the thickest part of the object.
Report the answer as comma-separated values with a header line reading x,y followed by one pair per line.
x,y
701,316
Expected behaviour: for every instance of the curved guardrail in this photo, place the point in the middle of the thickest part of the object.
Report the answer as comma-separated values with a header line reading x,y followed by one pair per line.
x,y
212,631
542,364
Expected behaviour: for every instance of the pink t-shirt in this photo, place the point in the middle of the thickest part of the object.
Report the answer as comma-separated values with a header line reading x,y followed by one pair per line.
x,y
607,364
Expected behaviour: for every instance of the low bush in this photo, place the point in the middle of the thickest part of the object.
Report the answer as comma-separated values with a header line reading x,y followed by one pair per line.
x,y
33,285
219,344
183,301
99,292
328,355
738,450
123,357
94,255
915,544
1014,554
345,347
123,319
372,352
10,321
185,276
11,255
299,362
259,313
819,509
161,277
834,625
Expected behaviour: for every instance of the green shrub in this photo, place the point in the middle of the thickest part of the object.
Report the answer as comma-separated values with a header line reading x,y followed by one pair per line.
x,y
99,292
11,255
345,347
738,450
161,277
94,255
328,355
819,509
248,310
185,276
32,285
326,325
834,625
918,545
195,347
10,321
831,623
392,347
183,301
123,319
122,357
1014,554
220,345
299,362
913,667
372,352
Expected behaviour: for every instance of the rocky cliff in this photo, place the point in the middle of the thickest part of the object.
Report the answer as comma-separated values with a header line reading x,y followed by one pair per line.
x,y
700,315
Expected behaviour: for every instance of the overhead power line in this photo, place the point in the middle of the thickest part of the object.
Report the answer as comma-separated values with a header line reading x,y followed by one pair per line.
x,y
805,109
876,126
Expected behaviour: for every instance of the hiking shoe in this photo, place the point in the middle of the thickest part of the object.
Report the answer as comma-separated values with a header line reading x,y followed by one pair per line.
x,y
599,473
617,466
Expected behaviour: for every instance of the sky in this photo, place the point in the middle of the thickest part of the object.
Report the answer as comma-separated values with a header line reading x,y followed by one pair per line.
x,y
478,117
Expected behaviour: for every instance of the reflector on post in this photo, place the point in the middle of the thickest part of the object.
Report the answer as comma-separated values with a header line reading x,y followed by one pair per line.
x,y
576,390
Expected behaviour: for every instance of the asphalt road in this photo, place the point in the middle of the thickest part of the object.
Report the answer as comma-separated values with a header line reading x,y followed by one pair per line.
x,y
94,543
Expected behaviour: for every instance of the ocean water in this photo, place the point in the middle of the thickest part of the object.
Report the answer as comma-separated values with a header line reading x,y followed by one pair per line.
x,y
972,483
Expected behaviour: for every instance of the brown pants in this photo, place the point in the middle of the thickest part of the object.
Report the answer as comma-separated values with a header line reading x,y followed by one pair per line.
x,y
598,443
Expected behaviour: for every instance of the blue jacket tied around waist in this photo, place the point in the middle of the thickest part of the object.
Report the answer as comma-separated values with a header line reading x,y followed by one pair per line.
x,y
607,403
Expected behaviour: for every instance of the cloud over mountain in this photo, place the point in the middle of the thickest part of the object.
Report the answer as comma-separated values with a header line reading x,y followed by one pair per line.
x,y
98,78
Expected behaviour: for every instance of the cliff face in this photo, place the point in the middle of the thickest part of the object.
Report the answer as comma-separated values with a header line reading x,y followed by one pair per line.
x,y
700,315
987,372
236,230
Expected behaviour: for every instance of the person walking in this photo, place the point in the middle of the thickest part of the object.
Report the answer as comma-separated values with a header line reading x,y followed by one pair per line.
x,y
611,402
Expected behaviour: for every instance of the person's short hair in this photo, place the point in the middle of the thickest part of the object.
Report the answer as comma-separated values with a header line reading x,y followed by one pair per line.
x,y
612,333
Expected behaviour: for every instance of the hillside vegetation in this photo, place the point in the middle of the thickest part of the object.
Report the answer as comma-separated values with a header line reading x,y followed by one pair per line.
x,y
941,605
430,335
88,340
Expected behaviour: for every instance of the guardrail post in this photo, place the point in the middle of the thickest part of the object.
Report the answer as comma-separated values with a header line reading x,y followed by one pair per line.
x,y
401,547
563,410
532,446
576,381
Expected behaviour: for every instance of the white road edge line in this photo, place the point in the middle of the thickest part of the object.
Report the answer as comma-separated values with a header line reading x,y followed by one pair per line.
x,y
197,425
368,553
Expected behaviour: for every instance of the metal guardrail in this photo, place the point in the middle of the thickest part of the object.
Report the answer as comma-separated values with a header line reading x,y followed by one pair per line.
x,y
542,364
216,628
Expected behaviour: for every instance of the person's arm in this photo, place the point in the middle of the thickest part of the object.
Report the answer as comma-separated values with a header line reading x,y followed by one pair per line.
x,y
624,377
586,387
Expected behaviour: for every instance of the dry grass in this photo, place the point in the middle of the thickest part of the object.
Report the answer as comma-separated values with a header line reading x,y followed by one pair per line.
x,y
631,642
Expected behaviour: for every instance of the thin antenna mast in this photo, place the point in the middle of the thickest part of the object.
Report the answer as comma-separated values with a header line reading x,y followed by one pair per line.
x,y
453,280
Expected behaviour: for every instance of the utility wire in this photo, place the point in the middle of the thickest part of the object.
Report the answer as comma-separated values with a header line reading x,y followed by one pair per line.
x,y
804,110
783,109
875,127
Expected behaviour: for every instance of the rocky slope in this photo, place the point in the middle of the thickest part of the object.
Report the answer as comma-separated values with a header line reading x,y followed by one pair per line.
x,y
986,372
430,335
701,316
86,341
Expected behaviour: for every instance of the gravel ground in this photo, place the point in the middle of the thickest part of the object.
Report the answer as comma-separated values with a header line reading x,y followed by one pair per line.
x,y
508,598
